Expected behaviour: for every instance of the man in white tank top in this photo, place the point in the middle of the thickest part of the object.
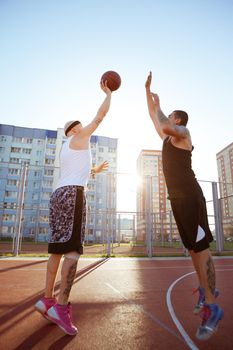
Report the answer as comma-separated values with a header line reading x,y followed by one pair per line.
x,y
67,217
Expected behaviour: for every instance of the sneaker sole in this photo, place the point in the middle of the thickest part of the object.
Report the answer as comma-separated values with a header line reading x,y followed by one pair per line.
x,y
209,331
60,326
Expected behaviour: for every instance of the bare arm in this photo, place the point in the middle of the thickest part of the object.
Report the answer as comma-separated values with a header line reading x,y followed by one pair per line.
x,y
163,125
102,111
153,108
166,126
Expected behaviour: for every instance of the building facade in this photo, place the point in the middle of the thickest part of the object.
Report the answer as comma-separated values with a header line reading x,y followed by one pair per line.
x,y
29,170
152,197
225,177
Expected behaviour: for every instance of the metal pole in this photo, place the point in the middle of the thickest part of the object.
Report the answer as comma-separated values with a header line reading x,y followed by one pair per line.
x,y
148,216
19,215
134,231
119,229
108,192
217,219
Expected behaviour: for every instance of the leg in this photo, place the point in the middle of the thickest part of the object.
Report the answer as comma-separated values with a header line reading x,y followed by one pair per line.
x,y
68,272
196,266
45,303
212,313
52,268
207,274
61,313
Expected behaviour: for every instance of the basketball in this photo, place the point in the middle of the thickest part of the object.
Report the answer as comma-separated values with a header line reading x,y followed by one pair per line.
x,y
113,80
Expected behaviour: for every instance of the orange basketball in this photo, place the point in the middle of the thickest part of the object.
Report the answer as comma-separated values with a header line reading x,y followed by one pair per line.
x,y
113,80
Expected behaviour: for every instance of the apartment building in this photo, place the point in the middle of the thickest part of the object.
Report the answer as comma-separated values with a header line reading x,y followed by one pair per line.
x,y
29,169
152,196
225,177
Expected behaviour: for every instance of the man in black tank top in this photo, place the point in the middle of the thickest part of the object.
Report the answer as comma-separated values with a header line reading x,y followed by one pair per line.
x,y
188,206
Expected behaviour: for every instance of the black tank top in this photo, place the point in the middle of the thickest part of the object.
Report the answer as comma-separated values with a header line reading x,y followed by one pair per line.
x,y
177,168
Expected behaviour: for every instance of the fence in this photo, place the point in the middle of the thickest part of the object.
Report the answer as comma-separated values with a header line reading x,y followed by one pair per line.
x,y
24,215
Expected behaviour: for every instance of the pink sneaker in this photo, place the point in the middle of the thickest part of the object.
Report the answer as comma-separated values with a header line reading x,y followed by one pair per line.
x,y
61,315
44,304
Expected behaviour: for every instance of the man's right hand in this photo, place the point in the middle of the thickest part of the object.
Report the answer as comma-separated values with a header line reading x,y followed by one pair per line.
x,y
148,82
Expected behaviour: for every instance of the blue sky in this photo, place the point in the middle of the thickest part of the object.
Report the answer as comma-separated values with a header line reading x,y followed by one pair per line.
x,y
54,52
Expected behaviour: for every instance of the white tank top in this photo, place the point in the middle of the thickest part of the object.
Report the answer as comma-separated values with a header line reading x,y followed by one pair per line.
x,y
75,166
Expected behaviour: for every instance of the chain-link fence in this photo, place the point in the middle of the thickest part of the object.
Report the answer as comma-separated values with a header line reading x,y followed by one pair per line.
x,y
24,214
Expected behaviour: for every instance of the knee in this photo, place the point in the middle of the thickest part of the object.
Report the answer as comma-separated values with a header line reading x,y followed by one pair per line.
x,y
72,256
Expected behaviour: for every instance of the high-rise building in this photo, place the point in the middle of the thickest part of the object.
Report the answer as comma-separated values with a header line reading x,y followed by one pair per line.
x,y
29,169
225,177
152,195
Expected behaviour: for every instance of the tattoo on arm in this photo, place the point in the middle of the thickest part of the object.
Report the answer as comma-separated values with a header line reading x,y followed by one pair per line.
x,y
70,279
161,117
182,130
210,274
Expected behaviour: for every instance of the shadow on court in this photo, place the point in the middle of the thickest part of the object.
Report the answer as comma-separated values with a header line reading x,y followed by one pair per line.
x,y
118,304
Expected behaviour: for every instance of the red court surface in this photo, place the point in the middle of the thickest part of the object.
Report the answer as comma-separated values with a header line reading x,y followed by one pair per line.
x,y
118,304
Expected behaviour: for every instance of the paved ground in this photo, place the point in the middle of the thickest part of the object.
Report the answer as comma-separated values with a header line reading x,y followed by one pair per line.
x,y
118,304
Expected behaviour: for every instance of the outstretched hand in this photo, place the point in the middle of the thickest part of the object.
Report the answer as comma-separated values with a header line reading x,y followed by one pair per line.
x,y
148,81
104,87
101,167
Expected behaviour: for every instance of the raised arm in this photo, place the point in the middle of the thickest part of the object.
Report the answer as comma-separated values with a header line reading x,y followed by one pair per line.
x,y
101,113
163,125
153,106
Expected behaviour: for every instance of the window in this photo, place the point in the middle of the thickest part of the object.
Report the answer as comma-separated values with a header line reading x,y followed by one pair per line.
x,y
12,182
43,230
15,160
37,173
36,184
35,196
12,194
13,171
40,142
47,183
49,161
8,217
50,152
44,218
17,139
3,138
7,229
46,195
51,141
27,150
48,172
15,149
11,205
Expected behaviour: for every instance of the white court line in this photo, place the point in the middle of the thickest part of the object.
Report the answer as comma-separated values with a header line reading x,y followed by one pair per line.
x,y
186,337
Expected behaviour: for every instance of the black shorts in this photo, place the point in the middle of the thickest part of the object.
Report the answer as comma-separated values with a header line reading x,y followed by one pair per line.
x,y
67,220
190,215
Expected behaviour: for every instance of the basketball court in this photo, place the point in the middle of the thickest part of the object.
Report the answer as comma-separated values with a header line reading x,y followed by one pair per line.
x,y
118,303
